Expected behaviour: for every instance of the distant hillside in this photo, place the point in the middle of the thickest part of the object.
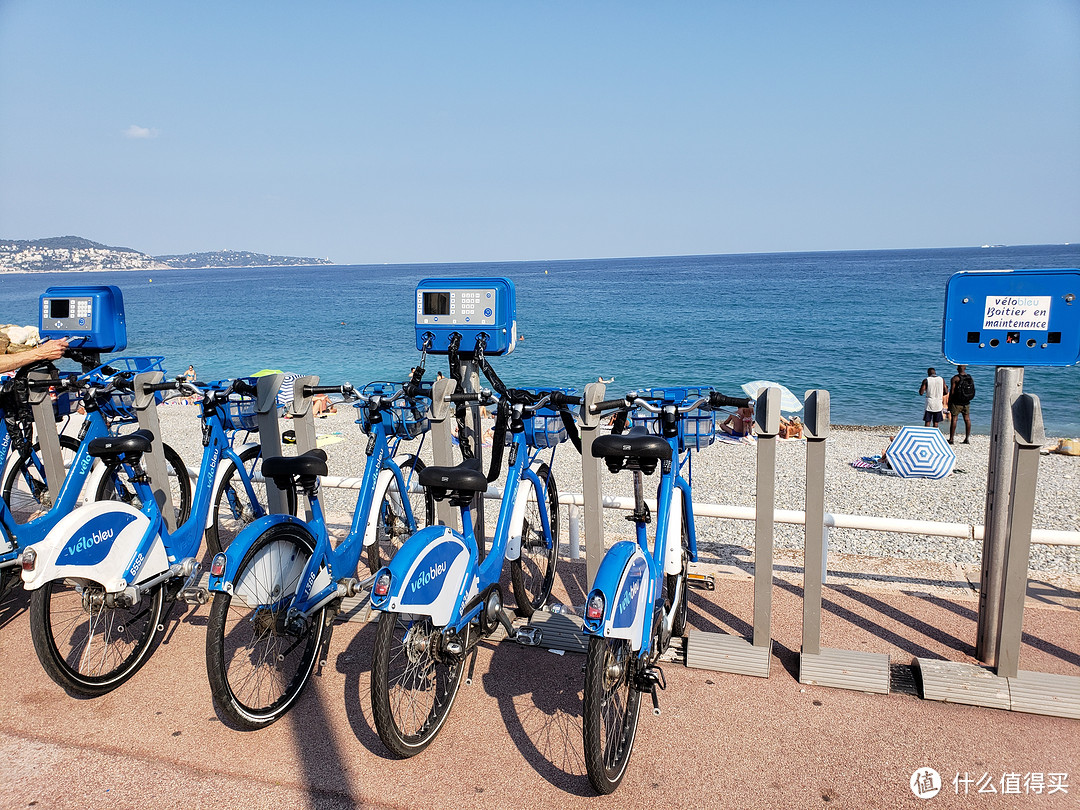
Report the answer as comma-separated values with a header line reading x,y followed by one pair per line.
x,y
237,258
65,253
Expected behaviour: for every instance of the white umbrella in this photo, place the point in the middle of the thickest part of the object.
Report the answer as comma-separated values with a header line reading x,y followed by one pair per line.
x,y
788,401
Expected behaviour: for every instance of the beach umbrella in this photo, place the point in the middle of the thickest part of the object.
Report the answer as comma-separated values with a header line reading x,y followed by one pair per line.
x,y
788,401
921,452
285,393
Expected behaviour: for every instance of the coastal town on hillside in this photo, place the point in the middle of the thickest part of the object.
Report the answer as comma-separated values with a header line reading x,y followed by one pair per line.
x,y
68,253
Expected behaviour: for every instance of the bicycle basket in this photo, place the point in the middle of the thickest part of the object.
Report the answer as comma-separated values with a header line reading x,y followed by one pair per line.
x,y
120,407
240,413
404,419
697,428
546,429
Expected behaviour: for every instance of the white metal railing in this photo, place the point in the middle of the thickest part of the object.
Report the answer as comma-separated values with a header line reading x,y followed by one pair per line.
x,y
966,531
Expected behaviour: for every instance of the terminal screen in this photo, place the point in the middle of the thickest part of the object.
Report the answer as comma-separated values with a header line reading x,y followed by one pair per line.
x,y
436,303
60,308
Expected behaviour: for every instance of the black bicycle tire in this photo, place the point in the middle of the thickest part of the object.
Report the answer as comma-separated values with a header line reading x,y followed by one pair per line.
x,y
374,553
598,694
527,603
16,468
225,697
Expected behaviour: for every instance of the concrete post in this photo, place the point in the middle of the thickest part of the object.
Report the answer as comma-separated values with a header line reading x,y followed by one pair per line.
x,y
1029,436
303,423
589,428
767,424
816,429
48,439
154,461
1008,385
441,451
266,408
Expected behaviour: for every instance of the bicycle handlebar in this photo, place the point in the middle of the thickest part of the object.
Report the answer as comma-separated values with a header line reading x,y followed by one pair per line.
x,y
345,389
714,399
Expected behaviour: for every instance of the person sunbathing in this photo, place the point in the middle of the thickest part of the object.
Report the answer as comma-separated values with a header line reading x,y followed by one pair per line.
x,y
739,424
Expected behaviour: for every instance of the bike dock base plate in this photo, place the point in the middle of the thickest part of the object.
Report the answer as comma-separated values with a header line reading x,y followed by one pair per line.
x,y
724,653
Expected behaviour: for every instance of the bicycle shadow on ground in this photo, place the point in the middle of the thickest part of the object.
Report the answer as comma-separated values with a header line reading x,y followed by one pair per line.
x,y
354,662
14,601
539,695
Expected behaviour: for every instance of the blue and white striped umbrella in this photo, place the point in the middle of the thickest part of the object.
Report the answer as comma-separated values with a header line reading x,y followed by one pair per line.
x,y
921,452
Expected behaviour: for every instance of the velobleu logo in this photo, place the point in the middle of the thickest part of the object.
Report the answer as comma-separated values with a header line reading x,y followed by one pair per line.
x,y
91,543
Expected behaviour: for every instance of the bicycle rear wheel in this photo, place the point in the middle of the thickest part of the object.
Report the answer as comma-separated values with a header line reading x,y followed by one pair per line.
x,y
610,712
115,485
392,527
86,646
258,662
233,508
533,573
25,488
413,683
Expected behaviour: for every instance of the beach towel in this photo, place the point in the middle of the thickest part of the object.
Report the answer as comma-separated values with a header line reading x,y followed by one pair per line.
x,y
873,464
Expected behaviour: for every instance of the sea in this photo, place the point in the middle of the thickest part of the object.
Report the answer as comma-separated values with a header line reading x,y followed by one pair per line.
x,y
865,325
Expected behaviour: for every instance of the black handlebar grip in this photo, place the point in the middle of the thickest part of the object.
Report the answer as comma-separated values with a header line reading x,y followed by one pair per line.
x,y
45,385
718,400
464,397
558,399
150,388
315,390
608,404
123,384
244,388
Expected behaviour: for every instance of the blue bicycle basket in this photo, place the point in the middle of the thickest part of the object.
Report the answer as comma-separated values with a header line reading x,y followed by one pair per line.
x,y
697,429
120,407
406,420
240,411
545,428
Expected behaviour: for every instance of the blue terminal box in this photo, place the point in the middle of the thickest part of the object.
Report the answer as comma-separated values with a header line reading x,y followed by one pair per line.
x,y
469,307
92,318
1013,318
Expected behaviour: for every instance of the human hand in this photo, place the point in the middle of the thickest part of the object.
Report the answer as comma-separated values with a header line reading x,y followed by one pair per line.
x,y
51,349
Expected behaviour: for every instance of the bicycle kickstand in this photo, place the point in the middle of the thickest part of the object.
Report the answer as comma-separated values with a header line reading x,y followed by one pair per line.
x,y
324,647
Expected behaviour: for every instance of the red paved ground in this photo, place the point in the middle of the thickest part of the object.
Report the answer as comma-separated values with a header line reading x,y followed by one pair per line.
x,y
514,738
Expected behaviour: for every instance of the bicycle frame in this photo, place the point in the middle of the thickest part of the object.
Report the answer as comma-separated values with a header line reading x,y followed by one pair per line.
x,y
15,537
437,571
320,574
629,579
120,546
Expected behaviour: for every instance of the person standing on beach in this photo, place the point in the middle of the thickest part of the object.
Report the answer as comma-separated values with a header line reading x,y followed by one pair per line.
x,y
961,392
933,388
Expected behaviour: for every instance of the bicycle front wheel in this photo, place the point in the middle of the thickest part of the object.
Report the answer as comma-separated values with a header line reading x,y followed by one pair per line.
x,y
116,485
233,507
25,488
610,708
392,526
259,661
413,683
533,573
671,584
85,644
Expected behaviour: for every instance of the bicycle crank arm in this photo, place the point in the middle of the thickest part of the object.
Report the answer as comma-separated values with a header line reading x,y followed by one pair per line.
x,y
185,568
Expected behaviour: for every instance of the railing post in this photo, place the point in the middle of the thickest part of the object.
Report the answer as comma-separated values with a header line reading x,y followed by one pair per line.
x,y
154,461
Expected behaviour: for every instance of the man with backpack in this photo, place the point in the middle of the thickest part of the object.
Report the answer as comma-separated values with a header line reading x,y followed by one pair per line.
x,y
961,392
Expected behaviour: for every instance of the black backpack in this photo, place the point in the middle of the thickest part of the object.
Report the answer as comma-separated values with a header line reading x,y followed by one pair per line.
x,y
964,390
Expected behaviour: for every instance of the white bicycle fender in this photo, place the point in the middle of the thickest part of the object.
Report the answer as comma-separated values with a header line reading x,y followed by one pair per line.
x,y
517,519
98,542
673,549
382,483
224,468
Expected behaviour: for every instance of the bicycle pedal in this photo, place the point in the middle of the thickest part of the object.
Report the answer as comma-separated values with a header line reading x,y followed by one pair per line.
x,y
702,582
528,636
196,595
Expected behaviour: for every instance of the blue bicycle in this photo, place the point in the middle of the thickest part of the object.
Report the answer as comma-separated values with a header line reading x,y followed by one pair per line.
x,y
638,600
28,511
102,577
279,585
438,599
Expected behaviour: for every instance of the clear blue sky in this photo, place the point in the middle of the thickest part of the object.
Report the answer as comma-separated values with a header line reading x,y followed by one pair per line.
x,y
472,131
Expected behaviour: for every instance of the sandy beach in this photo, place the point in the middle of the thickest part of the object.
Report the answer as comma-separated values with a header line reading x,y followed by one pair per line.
x,y
725,474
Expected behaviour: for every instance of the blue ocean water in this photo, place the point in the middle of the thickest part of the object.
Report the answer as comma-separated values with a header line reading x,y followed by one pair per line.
x,y
863,324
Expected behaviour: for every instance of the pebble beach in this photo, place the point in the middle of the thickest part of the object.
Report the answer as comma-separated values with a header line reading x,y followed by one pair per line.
x,y
724,473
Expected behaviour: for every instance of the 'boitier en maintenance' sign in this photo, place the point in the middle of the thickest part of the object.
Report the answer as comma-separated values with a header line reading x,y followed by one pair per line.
x,y
1014,312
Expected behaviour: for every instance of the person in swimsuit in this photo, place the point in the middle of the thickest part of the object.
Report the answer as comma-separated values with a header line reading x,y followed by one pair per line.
x,y
739,424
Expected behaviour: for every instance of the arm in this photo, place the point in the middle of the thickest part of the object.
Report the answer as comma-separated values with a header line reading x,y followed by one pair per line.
x,y
922,388
49,350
